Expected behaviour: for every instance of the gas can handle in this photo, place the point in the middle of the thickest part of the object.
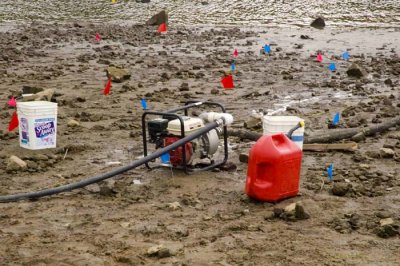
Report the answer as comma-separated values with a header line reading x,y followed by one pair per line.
x,y
290,132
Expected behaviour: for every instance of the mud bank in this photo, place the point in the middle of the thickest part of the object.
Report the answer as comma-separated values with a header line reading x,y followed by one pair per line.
x,y
203,219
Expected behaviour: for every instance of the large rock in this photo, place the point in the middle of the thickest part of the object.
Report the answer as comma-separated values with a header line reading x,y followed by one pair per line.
x,y
292,212
318,23
387,228
159,251
118,74
340,189
16,164
386,221
356,71
386,153
158,19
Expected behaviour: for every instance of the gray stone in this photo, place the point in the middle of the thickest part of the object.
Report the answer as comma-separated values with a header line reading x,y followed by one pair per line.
x,y
269,215
358,137
292,212
386,221
15,164
389,82
73,123
318,23
340,189
386,153
299,212
178,230
252,123
184,87
174,206
117,74
158,19
31,165
159,251
356,71
214,91
290,208
244,157
388,230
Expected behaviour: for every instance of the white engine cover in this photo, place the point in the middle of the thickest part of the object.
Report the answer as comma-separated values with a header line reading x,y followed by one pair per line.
x,y
191,124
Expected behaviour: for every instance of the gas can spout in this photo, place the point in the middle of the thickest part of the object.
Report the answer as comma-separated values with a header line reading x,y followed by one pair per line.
x,y
290,132
213,116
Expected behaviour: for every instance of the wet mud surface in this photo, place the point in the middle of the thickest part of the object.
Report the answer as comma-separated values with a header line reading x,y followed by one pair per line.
x,y
240,12
205,218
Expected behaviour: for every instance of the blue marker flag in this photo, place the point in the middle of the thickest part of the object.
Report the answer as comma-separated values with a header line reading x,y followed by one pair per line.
x,y
330,172
233,67
346,56
336,119
144,103
165,158
332,67
267,49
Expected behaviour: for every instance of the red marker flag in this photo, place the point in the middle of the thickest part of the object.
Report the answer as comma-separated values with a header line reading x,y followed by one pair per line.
x,y
14,122
107,87
98,37
227,82
12,102
162,28
235,53
319,57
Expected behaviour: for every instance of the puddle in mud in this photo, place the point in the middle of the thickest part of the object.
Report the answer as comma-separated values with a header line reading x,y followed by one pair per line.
x,y
288,102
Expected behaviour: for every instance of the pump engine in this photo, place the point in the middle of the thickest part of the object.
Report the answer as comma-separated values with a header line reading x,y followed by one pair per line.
x,y
164,132
170,127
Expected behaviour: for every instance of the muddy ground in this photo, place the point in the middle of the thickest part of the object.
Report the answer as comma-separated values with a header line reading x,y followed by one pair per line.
x,y
205,218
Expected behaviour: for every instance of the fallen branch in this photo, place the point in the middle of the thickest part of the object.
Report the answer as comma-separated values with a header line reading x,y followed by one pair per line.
x,y
327,136
339,134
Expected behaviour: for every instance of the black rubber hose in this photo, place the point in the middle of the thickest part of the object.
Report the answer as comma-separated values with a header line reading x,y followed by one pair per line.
x,y
290,132
95,179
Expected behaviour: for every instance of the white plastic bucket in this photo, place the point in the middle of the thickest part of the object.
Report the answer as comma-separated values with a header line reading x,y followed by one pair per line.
x,y
278,124
37,124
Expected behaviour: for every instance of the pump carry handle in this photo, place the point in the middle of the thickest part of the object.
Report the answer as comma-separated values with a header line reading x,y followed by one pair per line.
x,y
290,132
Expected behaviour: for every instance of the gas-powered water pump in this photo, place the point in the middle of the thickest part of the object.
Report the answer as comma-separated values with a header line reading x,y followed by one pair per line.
x,y
170,127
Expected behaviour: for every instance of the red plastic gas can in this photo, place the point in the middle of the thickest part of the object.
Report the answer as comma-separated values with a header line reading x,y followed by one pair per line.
x,y
274,168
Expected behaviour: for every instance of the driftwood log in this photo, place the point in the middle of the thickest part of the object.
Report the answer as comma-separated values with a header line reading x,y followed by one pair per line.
x,y
328,136
350,146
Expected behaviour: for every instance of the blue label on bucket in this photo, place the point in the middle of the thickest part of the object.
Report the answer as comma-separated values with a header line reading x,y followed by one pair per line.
x,y
45,129
297,138
24,130
45,132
